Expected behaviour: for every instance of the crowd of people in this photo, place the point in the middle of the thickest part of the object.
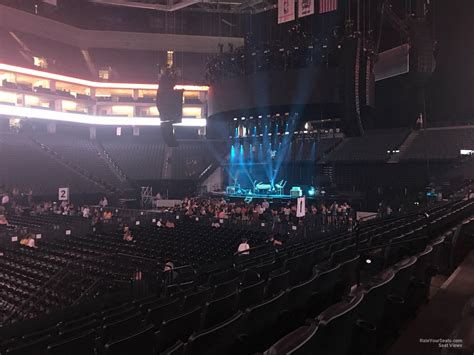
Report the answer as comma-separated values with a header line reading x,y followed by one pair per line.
x,y
319,216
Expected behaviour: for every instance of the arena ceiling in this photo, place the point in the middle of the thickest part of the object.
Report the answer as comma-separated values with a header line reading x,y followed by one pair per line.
x,y
221,6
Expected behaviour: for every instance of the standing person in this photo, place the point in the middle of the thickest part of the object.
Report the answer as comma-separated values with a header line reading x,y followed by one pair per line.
x,y
31,241
5,201
86,212
127,235
169,273
103,202
29,195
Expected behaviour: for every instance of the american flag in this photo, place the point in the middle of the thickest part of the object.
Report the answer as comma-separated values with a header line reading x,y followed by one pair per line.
x,y
327,6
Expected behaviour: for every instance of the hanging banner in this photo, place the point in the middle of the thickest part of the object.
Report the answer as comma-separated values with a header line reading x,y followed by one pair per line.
x,y
327,6
286,10
305,8
300,207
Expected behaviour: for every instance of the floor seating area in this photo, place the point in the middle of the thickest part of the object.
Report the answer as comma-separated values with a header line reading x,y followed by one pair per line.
x,y
98,258
259,303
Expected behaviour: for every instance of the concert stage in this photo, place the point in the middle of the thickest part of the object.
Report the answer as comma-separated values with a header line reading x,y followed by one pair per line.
x,y
283,199
256,196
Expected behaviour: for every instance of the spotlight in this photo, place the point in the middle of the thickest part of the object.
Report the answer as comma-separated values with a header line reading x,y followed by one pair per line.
x,y
311,191
368,261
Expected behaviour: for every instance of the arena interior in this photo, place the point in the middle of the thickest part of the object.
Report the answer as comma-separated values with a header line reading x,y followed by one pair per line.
x,y
191,177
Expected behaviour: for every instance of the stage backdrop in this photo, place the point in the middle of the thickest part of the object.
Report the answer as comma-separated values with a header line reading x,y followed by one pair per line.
x,y
299,87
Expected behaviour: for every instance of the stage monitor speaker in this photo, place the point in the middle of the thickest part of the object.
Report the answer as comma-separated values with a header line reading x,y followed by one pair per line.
x,y
167,132
352,90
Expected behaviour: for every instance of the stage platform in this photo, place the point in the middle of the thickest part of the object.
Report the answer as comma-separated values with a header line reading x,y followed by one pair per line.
x,y
276,198
256,197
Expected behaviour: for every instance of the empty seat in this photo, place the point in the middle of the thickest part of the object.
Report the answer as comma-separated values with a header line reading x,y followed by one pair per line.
x,y
338,324
298,342
218,310
348,275
121,313
225,288
323,290
403,273
217,340
372,308
250,277
196,299
82,344
298,296
37,347
251,295
179,328
158,314
71,331
294,266
277,283
122,327
259,316
140,342
176,349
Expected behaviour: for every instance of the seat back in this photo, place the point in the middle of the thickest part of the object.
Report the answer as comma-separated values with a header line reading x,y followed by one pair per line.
x,y
421,272
299,295
251,295
349,273
325,283
216,340
372,307
158,314
338,322
225,288
249,277
263,315
176,349
277,283
218,310
82,344
294,265
436,255
122,327
37,347
179,328
196,299
140,342
403,272
298,342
